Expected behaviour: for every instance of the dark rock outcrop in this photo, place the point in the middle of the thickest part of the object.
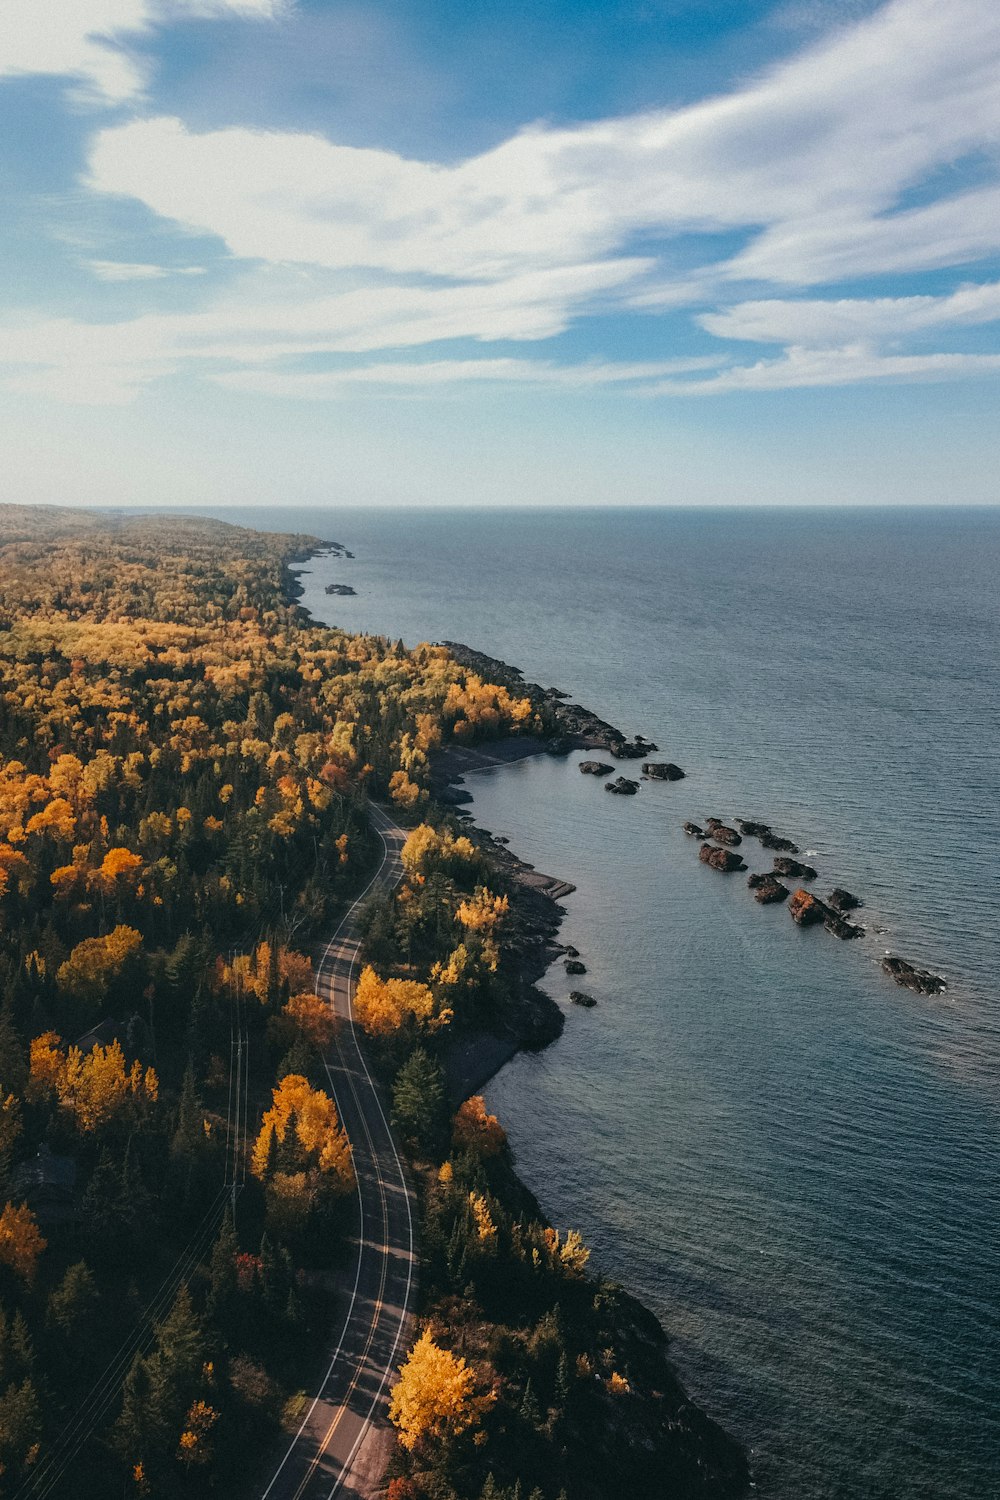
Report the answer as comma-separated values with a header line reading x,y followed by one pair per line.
x,y
632,749
720,859
574,966
921,981
792,868
751,829
772,840
843,900
724,835
841,927
622,787
807,909
340,589
766,889
767,836
694,832
662,770
579,998
595,768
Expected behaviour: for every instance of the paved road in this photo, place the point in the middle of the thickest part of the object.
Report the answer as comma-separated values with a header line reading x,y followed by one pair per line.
x,y
325,1458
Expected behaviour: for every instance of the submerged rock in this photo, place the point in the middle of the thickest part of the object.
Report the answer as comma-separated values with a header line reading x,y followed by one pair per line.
x,y
843,900
921,981
720,859
622,787
766,889
662,770
807,909
794,869
340,589
694,832
579,998
595,768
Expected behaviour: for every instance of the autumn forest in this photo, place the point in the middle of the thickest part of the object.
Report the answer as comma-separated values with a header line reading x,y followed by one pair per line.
x,y
186,764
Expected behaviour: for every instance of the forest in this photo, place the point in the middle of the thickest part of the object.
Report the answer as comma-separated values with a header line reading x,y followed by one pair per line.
x,y
186,760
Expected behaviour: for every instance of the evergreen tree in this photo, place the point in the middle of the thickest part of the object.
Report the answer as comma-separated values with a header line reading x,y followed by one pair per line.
x,y
222,1270
418,1102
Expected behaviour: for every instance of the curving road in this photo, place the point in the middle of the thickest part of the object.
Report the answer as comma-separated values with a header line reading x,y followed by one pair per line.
x,y
332,1452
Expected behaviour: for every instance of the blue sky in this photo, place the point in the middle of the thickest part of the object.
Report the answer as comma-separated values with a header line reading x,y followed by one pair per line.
x,y
611,251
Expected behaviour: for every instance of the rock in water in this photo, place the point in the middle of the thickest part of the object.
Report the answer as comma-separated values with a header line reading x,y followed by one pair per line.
x,y
807,909
622,787
579,998
595,768
843,900
841,927
574,966
662,770
794,869
632,749
775,841
766,889
340,589
720,859
693,831
724,835
921,981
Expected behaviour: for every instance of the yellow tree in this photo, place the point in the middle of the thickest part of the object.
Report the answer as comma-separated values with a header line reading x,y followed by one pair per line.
x,y
477,1131
21,1243
93,963
435,1394
317,1127
383,1005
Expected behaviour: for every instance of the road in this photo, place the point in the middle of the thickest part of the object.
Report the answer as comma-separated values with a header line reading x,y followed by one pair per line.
x,y
332,1452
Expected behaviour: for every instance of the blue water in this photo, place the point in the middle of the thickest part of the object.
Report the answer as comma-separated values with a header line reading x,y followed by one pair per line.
x,y
796,1163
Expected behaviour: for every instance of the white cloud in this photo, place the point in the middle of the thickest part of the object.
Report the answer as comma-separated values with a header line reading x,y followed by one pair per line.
x,y
325,384
833,165
800,368
88,40
774,321
810,162
254,326
120,270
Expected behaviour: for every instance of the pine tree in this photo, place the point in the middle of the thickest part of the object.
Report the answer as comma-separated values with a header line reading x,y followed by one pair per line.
x,y
188,1133
530,1412
564,1381
418,1102
222,1270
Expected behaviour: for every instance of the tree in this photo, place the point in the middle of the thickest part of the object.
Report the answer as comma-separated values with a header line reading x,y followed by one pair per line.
x,y
96,962
418,1101
73,1302
384,1005
309,1116
435,1395
477,1131
21,1242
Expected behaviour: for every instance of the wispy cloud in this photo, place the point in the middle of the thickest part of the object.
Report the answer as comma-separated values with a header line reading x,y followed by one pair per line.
x,y
846,162
119,270
810,163
798,369
322,385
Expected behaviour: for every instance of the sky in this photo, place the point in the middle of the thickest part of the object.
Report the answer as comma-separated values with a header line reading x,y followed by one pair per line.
x,y
683,252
